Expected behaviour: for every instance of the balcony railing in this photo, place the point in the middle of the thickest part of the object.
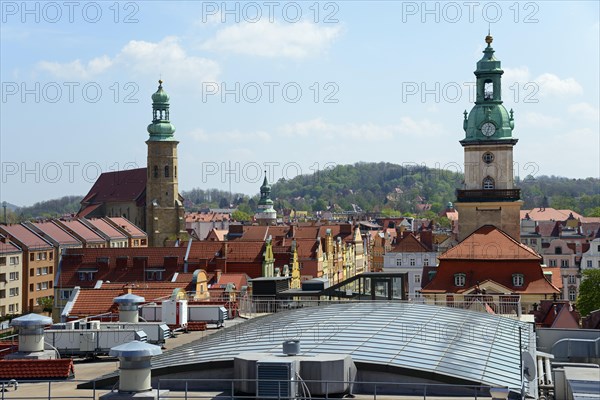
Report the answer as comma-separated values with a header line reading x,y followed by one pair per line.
x,y
488,195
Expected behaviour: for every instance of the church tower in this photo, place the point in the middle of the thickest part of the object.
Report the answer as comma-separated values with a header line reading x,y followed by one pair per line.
x,y
488,196
164,209
265,213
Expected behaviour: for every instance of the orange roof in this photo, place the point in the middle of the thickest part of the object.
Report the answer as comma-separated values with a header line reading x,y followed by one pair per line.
x,y
25,237
106,228
57,233
127,226
409,244
61,368
548,214
556,277
8,247
238,280
490,243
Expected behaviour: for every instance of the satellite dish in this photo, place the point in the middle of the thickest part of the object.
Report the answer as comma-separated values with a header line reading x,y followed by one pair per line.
x,y
529,366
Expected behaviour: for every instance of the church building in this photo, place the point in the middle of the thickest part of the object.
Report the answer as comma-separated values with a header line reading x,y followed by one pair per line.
x,y
149,196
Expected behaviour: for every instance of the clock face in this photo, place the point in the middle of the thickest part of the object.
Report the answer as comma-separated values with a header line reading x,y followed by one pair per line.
x,y
488,129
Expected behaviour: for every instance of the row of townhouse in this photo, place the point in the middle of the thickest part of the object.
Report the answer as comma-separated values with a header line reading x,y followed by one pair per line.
x,y
30,274
567,242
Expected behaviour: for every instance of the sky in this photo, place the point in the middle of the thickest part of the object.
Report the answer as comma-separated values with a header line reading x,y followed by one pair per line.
x,y
287,87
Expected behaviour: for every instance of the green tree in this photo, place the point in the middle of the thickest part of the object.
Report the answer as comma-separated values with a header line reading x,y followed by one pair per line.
x,y
589,292
241,216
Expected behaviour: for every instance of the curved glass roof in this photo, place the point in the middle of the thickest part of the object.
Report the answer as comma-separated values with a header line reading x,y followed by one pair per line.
x,y
457,343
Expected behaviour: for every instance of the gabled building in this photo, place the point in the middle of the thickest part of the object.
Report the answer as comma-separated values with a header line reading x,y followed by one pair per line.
x,y
410,255
591,258
135,236
490,262
82,232
561,254
113,236
39,263
11,269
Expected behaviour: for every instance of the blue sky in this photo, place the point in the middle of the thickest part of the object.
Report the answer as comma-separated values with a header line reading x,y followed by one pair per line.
x,y
291,87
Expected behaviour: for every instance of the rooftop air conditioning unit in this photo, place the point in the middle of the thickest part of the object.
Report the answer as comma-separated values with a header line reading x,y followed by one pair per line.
x,y
276,379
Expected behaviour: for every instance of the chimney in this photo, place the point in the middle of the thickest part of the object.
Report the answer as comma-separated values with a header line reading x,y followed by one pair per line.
x,y
427,239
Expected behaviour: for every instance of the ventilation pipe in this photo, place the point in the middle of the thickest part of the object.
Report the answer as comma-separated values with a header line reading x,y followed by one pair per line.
x,y
291,347
135,366
128,307
31,332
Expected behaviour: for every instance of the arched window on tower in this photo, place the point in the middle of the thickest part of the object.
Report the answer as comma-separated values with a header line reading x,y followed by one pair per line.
x,y
156,171
175,171
166,171
488,183
488,90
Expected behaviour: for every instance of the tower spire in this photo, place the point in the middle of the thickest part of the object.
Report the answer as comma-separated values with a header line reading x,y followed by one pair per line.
x,y
161,129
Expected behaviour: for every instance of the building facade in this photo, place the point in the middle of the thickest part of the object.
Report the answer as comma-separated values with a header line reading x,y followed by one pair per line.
x,y
11,264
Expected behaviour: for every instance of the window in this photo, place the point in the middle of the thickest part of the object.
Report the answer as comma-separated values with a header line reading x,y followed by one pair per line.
x,y
558,250
426,262
488,157
42,286
2,260
156,171
42,271
572,294
166,171
459,279
417,278
13,276
488,183
154,275
41,256
488,90
533,241
31,256
175,171
13,308
65,294
552,263
589,263
86,275
412,262
13,292
572,279
518,279
2,294
564,263
398,262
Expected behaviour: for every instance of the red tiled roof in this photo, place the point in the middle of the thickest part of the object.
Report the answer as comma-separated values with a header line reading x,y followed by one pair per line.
x,y
8,247
82,231
490,254
238,280
37,369
409,244
489,243
106,228
25,237
548,214
57,233
207,217
99,301
556,277
118,186
87,210
127,226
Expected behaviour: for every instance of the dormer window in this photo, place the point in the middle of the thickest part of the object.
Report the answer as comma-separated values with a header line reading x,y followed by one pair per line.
x,y
558,250
518,280
460,279
488,183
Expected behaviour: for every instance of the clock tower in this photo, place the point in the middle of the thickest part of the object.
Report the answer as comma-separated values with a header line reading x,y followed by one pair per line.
x,y
488,196
164,208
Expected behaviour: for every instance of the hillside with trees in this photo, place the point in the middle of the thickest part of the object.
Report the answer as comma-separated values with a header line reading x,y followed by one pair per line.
x,y
385,188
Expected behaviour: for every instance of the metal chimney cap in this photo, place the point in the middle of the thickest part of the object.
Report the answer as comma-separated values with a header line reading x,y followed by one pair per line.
x,y
30,320
135,349
129,298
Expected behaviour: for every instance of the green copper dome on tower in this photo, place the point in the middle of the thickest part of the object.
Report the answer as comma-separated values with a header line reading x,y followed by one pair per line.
x,y
488,120
161,129
265,193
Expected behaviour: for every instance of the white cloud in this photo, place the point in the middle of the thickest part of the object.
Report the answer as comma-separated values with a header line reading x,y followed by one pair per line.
x,y
318,128
274,39
539,120
77,69
584,110
547,84
151,59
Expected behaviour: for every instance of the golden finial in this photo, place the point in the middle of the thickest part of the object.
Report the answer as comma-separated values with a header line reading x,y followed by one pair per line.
x,y
160,81
489,39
